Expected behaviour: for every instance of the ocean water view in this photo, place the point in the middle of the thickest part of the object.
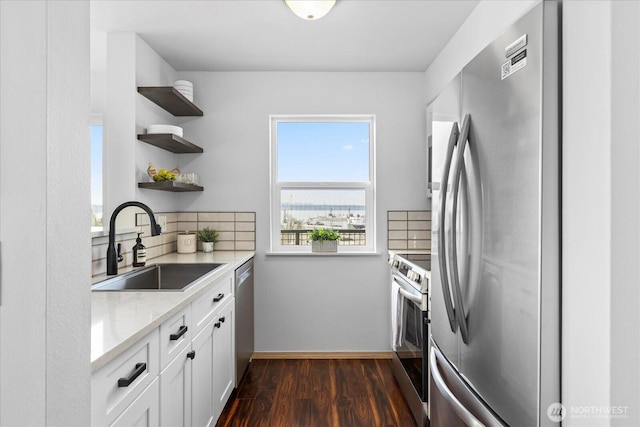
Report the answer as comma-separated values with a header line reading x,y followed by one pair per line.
x,y
304,216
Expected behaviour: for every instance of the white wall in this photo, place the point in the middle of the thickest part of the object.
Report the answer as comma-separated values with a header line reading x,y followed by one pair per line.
x,y
308,303
587,166
45,206
601,201
132,63
601,347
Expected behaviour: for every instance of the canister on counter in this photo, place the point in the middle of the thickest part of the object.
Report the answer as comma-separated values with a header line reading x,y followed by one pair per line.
x,y
187,242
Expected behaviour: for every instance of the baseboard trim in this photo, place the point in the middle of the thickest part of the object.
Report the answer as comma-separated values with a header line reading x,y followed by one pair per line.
x,y
322,355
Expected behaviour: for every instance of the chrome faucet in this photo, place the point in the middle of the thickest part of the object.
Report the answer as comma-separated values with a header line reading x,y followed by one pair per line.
x,y
112,261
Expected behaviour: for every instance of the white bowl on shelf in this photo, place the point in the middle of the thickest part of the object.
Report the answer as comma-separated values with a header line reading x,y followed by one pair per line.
x,y
184,83
188,96
176,130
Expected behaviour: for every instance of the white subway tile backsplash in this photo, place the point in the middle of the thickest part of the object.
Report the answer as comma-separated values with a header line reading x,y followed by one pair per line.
x,y
409,230
397,225
419,215
236,232
245,235
190,226
170,228
419,234
419,244
245,246
397,234
215,216
225,235
245,216
397,244
218,226
245,226
397,215
224,246
187,216
419,225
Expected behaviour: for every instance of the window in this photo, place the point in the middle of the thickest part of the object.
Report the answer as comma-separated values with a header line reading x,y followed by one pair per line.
x,y
97,223
322,176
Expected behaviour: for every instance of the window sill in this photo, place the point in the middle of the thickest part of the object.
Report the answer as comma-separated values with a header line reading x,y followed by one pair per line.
x,y
325,254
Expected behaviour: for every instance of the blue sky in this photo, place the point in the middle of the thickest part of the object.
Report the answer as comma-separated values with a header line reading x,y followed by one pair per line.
x,y
96,165
323,151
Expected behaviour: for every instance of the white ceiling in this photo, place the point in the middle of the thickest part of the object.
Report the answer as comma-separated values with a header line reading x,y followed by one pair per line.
x,y
264,35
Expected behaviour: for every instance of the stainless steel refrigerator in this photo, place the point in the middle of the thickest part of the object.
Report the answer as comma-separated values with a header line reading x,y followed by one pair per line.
x,y
496,155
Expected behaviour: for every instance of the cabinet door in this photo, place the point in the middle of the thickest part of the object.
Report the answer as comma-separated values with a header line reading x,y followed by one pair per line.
x,y
202,397
224,361
108,398
175,335
203,308
175,392
143,412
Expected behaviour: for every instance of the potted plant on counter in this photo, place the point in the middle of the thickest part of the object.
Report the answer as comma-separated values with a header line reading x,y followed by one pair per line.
x,y
324,240
208,236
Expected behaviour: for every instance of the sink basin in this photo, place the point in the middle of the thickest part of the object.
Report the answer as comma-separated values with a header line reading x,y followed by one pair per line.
x,y
157,277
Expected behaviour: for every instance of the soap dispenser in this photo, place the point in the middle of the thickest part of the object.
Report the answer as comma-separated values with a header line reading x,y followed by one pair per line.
x,y
139,253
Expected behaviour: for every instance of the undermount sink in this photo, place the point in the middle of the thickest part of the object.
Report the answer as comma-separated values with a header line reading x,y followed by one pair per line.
x,y
157,277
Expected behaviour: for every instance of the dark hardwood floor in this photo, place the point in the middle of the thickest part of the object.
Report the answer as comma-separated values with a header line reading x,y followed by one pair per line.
x,y
318,393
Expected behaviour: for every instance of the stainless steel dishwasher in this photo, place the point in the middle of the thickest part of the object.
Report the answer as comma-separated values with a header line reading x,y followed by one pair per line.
x,y
244,318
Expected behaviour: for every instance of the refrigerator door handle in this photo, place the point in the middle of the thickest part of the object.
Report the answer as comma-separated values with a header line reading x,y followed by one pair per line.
x,y
453,251
461,411
444,271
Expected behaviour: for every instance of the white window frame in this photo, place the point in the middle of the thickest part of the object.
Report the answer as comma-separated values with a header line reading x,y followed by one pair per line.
x,y
277,186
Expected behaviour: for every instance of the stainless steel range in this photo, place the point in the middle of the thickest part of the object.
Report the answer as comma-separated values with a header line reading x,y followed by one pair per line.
x,y
410,319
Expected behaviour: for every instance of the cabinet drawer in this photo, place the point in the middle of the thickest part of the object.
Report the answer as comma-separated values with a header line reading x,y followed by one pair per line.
x,y
175,334
116,385
144,411
203,308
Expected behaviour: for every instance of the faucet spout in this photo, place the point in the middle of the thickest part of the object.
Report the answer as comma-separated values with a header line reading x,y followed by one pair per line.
x,y
112,259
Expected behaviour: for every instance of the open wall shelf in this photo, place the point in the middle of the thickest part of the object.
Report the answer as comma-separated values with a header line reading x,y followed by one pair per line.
x,y
171,100
170,142
172,186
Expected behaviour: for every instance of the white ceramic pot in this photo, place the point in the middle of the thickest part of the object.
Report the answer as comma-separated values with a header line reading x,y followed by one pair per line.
x,y
187,243
324,246
207,246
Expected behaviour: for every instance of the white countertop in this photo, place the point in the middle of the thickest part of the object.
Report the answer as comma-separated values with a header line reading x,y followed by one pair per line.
x,y
118,319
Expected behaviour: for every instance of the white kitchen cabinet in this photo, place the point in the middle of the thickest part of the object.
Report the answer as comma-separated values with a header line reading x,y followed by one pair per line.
x,y
143,412
195,385
115,386
175,391
189,366
204,307
202,378
213,369
175,335
224,360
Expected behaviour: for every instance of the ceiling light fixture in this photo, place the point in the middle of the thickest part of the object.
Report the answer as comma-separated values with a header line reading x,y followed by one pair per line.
x,y
310,9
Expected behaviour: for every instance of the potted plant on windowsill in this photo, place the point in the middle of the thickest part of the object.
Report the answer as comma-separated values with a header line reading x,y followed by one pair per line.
x,y
208,236
324,240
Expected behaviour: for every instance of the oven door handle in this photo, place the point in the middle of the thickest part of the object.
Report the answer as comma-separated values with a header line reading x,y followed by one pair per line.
x,y
411,297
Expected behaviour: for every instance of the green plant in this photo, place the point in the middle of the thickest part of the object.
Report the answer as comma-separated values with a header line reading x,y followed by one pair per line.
x,y
207,235
324,234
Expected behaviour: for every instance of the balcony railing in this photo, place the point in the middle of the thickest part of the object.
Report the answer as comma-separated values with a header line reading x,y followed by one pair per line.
x,y
301,237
